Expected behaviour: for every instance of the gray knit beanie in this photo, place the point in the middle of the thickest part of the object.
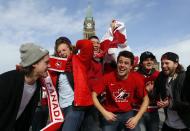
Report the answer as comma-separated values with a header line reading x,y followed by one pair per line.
x,y
31,53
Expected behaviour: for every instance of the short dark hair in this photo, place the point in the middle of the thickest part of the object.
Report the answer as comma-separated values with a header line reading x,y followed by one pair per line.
x,y
60,41
126,54
93,37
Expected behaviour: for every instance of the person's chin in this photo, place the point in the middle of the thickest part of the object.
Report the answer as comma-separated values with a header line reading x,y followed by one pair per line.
x,y
45,74
166,72
121,74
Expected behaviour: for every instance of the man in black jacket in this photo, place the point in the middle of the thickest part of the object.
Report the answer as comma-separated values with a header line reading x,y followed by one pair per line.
x,y
19,93
170,95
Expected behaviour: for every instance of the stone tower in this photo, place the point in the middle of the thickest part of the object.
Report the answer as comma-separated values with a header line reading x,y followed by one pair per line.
x,y
89,24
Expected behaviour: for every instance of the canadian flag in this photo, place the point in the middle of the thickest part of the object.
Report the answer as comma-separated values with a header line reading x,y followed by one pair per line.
x,y
117,35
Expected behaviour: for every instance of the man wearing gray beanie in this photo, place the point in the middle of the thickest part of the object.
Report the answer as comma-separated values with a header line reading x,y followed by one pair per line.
x,y
20,89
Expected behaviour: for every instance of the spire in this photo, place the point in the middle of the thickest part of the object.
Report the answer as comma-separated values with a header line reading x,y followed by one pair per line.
x,y
89,11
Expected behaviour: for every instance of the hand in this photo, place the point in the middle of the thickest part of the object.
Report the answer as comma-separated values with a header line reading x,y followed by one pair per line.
x,y
132,122
109,116
113,25
149,86
163,103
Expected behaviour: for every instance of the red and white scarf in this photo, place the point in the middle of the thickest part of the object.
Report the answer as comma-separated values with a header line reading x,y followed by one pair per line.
x,y
56,116
57,64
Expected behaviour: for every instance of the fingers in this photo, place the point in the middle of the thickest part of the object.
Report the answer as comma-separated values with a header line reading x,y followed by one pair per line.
x,y
130,123
163,104
114,117
149,82
109,116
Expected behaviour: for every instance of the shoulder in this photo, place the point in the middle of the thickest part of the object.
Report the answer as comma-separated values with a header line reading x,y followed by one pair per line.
x,y
110,76
136,78
153,76
11,80
10,74
156,73
135,75
181,76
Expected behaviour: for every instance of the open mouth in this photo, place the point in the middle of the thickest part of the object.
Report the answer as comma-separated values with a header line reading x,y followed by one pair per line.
x,y
122,70
165,70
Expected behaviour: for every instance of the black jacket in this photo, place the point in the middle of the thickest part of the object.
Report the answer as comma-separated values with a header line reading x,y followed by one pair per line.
x,y
11,89
180,103
184,112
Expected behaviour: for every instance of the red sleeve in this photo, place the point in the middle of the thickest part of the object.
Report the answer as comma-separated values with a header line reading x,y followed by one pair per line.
x,y
152,77
86,50
118,38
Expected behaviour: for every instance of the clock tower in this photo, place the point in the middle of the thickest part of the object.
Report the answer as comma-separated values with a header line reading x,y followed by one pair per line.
x,y
89,24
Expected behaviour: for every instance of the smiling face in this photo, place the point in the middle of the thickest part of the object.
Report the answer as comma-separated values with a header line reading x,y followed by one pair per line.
x,y
123,67
63,50
96,45
41,67
148,63
168,67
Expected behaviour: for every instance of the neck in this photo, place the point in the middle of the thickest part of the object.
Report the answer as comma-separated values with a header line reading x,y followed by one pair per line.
x,y
123,77
31,79
172,74
148,70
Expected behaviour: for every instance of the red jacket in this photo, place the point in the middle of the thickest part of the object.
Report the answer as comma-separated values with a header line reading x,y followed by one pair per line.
x,y
80,65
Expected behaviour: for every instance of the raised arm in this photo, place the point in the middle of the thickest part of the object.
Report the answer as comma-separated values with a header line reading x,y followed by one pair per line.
x,y
86,50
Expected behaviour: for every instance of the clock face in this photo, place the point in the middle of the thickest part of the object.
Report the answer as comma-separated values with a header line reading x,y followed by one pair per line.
x,y
89,25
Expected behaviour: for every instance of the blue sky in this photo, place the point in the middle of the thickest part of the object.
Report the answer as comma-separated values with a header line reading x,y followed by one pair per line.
x,y
154,25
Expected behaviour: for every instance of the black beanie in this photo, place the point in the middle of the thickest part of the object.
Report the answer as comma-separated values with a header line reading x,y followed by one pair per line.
x,y
146,55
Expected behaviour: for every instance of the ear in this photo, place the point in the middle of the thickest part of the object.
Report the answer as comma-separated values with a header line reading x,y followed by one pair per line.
x,y
34,65
176,64
18,67
131,67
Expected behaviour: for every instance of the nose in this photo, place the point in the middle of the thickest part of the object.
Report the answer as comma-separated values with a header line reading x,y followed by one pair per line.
x,y
163,65
122,64
48,65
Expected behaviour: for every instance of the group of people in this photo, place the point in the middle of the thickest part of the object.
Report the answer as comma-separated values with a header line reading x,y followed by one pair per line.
x,y
96,94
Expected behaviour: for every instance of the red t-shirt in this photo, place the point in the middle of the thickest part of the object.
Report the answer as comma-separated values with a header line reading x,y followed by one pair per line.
x,y
120,94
